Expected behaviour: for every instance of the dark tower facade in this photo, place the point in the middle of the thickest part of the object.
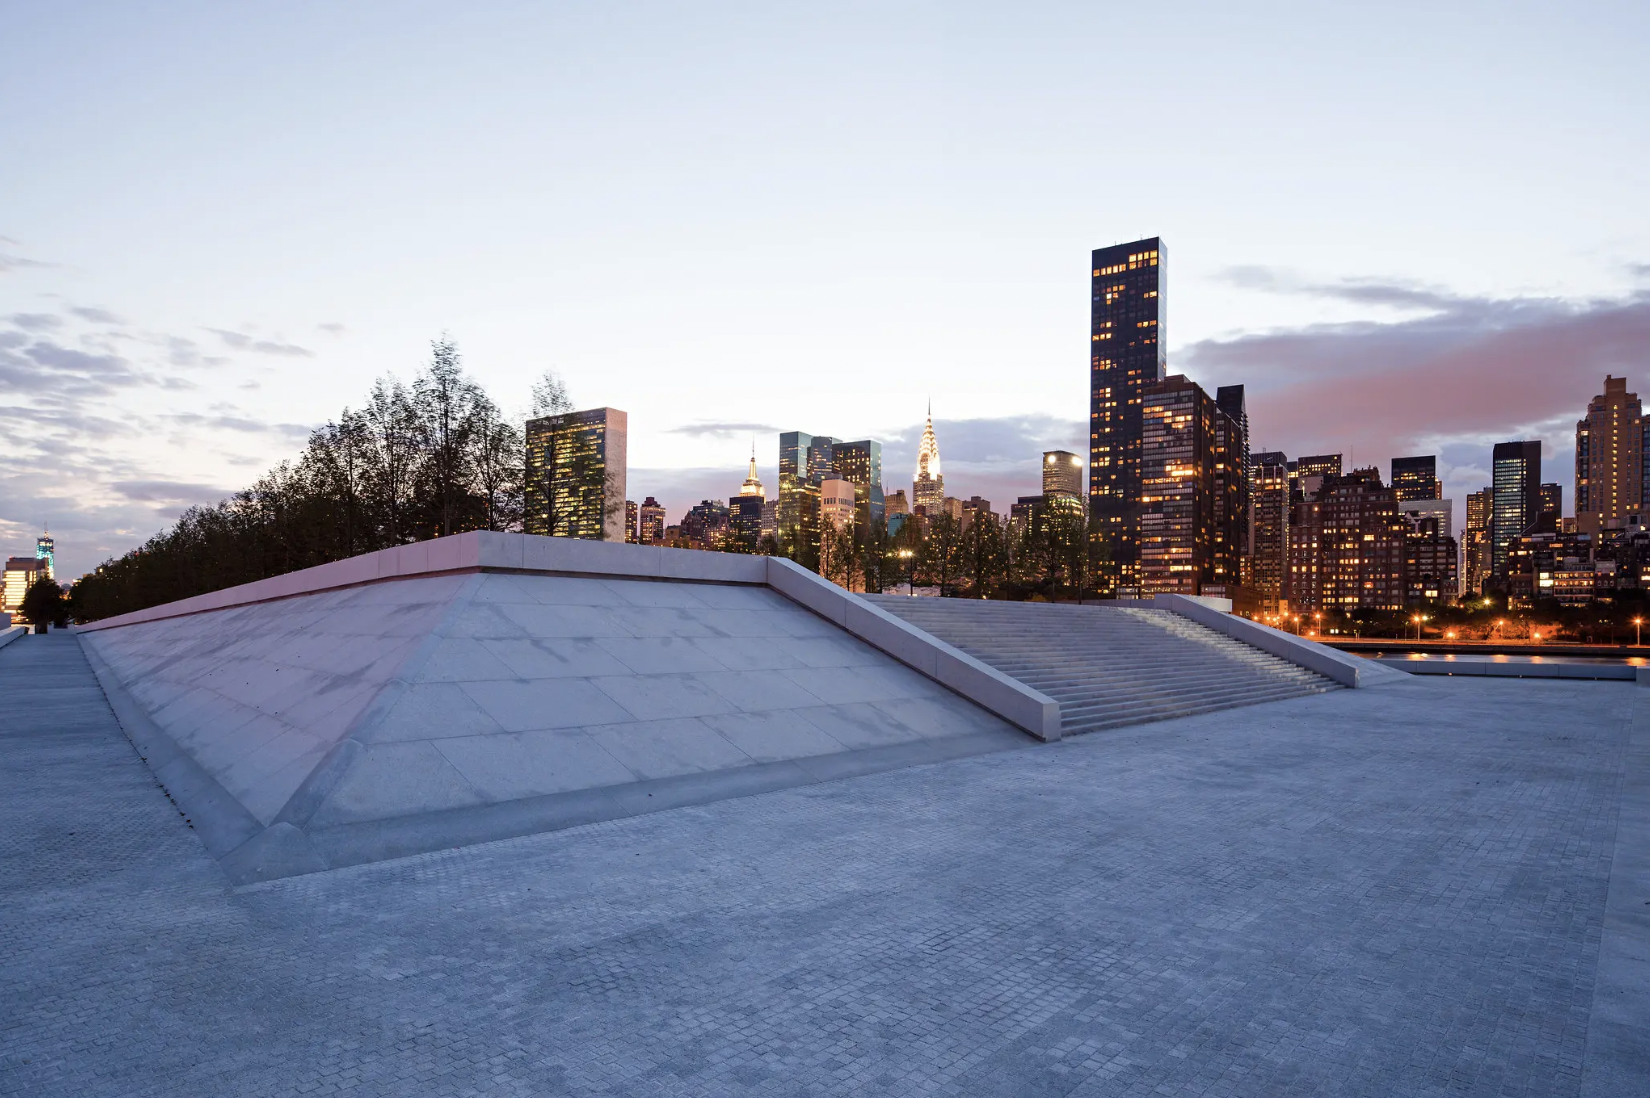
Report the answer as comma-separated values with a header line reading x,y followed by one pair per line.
x,y
1128,315
1516,469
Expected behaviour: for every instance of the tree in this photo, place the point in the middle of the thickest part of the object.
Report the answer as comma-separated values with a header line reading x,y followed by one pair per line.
x,y
43,603
393,431
497,461
446,402
941,556
984,553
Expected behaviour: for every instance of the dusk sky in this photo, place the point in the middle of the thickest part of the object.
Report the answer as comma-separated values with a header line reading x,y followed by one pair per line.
x,y
1407,228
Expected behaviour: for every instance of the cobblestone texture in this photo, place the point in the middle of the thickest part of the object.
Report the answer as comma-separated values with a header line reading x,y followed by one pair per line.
x,y
1384,892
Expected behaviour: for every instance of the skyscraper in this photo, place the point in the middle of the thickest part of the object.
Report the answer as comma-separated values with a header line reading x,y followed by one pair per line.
x,y
1177,484
1062,474
1128,322
861,463
1268,560
575,483
45,549
1516,477
1309,474
928,488
1231,485
650,522
1610,458
1416,478
1550,510
745,510
630,517
804,460
1476,549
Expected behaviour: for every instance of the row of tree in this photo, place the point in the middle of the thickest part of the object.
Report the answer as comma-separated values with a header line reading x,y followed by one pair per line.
x,y
1053,554
415,461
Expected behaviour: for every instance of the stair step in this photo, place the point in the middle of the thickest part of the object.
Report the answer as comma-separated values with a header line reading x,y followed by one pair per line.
x,y
1110,666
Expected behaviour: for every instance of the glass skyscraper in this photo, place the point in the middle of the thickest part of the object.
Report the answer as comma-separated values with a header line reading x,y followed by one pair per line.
x,y
1128,315
1516,483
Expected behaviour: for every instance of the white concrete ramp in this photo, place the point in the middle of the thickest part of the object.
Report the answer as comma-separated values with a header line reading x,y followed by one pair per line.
x,y
434,710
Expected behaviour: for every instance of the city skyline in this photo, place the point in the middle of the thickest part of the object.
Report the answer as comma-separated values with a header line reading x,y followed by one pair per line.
x,y
188,287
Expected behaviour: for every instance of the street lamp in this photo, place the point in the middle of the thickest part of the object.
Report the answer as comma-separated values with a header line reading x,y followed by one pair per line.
x,y
1638,632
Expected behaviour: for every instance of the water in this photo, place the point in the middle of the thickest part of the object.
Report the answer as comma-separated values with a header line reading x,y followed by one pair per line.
x,y
1474,657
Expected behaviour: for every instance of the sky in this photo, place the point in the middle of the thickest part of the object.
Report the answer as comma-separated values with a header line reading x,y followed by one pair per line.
x,y
1406,228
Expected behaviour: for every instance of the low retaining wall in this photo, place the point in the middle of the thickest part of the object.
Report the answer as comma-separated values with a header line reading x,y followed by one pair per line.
x,y
1353,671
1619,672
11,633
980,683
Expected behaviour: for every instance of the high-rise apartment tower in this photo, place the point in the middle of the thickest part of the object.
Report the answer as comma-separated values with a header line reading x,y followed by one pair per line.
x,y
1610,458
1128,322
1516,473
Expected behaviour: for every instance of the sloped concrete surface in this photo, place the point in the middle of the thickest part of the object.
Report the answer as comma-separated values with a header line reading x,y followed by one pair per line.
x,y
375,721
1427,889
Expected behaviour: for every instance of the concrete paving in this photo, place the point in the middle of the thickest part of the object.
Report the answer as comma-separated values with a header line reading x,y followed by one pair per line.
x,y
1398,891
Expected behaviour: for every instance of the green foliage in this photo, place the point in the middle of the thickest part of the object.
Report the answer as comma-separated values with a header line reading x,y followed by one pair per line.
x,y
412,463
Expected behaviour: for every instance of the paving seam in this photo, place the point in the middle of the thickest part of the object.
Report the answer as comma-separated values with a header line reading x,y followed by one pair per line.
x,y
1617,1057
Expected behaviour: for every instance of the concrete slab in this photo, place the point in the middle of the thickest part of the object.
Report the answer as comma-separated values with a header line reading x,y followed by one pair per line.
x,y
453,708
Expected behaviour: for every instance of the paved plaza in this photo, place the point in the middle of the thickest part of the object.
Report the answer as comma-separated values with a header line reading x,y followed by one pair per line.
x,y
1396,891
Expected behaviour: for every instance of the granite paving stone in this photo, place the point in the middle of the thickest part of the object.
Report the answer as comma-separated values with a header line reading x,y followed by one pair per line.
x,y
1370,893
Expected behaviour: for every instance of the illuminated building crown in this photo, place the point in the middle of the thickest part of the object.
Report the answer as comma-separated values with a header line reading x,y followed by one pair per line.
x,y
753,485
928,453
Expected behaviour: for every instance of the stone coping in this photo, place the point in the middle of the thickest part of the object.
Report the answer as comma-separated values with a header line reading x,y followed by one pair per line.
x,y
474,551
11,633
1337,666
482,550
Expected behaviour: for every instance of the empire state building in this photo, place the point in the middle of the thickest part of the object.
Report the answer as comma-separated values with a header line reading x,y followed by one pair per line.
x,y
928,490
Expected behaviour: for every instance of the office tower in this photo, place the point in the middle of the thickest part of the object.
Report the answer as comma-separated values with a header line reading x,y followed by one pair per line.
x,y
801,457
576,475
1231,486
746,509
1177,485
1062,474
1476,544
1416,478
1437,515
895,504
770,518
1128,322
837,501
1309,473
1516,476
1550,508
630,516
861,463
1268,559
21,574
753,483
745,522
1347,544
650,528
1610,458
45,549
928,489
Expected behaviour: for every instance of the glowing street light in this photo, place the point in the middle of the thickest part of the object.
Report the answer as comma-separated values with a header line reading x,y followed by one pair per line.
x,y
1638,631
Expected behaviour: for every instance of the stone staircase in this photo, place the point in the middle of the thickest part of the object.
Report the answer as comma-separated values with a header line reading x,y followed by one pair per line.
x,y
1109,665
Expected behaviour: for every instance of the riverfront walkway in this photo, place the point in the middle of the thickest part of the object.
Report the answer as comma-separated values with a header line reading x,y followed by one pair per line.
x,y
1397,891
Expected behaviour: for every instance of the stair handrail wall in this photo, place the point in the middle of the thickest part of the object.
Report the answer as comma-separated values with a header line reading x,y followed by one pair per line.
x,y
1337,666
979,682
